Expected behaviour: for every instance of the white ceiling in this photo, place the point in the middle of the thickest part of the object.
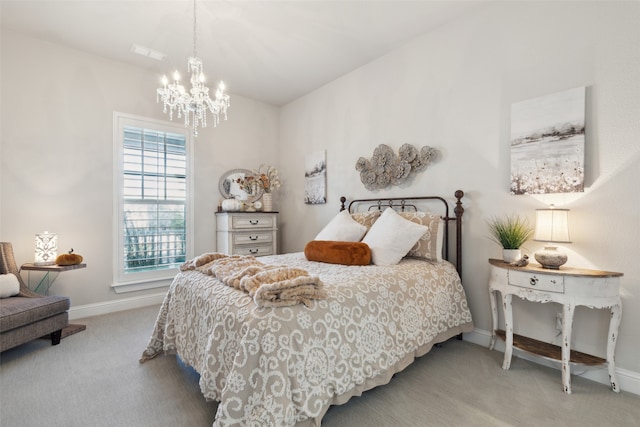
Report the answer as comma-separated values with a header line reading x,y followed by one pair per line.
x,y
272,51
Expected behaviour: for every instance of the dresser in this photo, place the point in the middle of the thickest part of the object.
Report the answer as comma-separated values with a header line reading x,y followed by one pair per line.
x,y
247,233
569,287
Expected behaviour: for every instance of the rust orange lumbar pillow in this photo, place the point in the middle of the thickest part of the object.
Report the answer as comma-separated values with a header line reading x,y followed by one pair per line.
x,y
332,252
69,259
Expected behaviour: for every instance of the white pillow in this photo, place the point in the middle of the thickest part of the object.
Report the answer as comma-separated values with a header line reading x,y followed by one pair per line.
x,y
391,237
342,228
9,285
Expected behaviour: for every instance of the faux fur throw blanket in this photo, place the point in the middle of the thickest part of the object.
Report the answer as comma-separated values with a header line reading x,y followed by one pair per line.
x,y
268,285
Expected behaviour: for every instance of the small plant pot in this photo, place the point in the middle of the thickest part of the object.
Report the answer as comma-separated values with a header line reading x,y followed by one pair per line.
x,y
511,255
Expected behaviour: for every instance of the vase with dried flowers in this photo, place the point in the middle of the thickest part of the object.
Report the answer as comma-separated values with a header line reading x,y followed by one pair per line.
x,y
268,180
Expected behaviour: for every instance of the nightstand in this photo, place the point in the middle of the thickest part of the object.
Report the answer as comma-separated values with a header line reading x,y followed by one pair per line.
x,y
247,233
569,287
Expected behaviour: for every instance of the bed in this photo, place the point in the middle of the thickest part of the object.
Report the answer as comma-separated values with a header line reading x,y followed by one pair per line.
x,y
285,366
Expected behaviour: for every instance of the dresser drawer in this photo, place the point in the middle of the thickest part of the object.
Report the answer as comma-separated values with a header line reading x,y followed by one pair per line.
x,y
253,238
255,250
541,282
258,221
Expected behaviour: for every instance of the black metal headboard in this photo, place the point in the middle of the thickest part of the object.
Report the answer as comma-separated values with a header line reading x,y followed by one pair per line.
x,y
402,203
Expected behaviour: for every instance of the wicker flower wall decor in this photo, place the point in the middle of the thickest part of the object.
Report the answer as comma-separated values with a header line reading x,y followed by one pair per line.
x,y
385,168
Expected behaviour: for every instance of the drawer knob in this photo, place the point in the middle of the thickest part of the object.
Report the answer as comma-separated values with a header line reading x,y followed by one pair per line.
x,y
253,251
254,221
253,237
533,281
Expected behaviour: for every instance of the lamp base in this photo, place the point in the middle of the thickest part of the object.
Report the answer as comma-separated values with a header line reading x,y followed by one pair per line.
x,y
550,257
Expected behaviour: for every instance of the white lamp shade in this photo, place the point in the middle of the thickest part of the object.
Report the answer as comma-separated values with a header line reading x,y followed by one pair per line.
x,y
552,225
46,248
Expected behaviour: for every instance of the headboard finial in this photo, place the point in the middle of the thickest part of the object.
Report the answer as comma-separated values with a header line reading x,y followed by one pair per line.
x,y
459,210
343,200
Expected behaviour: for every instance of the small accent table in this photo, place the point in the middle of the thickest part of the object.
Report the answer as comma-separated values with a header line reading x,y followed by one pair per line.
x,y
570,287
46,282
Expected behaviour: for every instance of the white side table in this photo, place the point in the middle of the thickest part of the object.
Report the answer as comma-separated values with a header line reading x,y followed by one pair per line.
x,y
570,287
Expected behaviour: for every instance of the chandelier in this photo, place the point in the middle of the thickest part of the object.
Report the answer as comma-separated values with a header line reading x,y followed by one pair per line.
x,y
193,105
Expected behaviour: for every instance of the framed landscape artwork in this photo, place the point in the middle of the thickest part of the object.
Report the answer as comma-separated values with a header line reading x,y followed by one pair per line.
x,y
315,178
547,143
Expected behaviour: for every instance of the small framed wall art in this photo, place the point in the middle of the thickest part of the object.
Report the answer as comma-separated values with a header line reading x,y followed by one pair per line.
x,y
547,143
315,178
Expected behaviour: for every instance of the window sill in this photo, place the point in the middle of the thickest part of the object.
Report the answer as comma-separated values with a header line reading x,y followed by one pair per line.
x,y
141,285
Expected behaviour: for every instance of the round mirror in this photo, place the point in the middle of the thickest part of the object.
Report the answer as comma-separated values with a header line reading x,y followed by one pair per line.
x,y
231,188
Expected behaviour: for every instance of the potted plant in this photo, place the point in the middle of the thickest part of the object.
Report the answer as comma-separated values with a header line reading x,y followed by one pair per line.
x,y
510,232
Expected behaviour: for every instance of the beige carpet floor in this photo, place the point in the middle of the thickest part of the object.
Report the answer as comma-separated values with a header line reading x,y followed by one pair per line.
x,y
93,378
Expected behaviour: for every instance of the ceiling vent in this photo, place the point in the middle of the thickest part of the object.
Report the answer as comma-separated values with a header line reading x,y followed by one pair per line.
x,y
150,53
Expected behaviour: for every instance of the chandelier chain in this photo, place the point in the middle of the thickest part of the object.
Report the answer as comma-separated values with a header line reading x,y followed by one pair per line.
x,y
195,35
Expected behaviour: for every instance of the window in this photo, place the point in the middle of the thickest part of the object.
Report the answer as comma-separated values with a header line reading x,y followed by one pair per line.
x,y
152,195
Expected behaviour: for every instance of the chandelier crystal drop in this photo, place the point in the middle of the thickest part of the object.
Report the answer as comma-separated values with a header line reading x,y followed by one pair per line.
x,y
195,103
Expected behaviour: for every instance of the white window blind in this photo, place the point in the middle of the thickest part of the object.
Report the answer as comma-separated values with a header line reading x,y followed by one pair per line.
x,y
155,193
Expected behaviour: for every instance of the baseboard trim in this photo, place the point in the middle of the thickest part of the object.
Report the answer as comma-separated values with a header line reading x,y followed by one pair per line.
x,y
107,307
628,380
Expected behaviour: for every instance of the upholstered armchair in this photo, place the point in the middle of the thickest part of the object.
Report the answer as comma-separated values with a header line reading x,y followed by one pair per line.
x,y
28,315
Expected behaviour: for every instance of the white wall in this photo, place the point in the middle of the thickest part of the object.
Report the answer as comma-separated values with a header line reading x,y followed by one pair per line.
x,y
57,155
452,89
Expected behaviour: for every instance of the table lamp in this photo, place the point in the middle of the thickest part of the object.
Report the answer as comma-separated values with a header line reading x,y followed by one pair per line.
x,y
46,248
552,226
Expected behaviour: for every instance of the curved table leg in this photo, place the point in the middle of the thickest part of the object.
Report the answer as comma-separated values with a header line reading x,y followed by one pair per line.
x,y
493,295
567,324
508,329
614,323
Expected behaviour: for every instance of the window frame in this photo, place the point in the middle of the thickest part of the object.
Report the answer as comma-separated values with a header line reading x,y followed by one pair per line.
x,y
128,282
